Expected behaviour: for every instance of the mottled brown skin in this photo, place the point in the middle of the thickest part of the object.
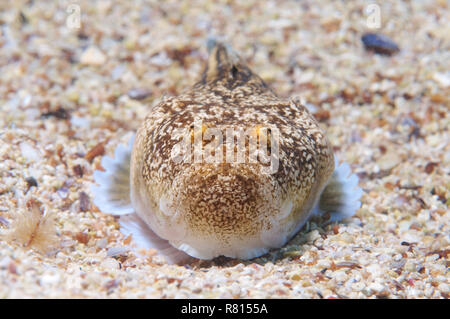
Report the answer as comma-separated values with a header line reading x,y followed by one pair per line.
x,y
228,203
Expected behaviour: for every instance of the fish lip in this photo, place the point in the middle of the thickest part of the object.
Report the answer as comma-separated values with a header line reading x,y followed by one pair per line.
x,y
208,254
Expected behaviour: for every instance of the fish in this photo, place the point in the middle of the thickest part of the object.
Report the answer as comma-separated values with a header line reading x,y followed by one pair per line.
x,y
226,168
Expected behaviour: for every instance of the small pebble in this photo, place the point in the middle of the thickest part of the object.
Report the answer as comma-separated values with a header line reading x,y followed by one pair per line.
x,y
81,122
389,160
102,243
111,284
31,181
29,152
63,192
442,78
139,94
82,237
97,150
85,202
110,263
116,251
49,279
377,287
78,170
92,56
379,43
12,268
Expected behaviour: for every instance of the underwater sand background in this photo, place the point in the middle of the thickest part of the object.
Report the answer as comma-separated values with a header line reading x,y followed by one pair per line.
x,y
70,95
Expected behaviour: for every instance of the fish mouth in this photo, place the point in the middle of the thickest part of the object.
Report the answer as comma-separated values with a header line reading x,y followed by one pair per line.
x,y
224,210
205,251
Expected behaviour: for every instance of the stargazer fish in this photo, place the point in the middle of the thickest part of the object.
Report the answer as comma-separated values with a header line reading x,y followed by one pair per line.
x,y
226,168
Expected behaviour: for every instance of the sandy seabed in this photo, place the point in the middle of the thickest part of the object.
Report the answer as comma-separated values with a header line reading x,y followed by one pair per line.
x,y
71,91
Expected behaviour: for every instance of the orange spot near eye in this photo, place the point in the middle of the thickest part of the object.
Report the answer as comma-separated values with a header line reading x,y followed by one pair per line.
x,y
263,135
195,132
256,131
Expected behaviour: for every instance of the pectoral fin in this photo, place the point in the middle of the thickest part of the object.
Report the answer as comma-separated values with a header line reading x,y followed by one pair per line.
x,y
145,238
341,197
112,195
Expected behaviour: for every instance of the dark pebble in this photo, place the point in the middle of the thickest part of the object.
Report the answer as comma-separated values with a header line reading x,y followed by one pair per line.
x,y
85,202
31,181
379,43
78,170
23,18
82,36
60,113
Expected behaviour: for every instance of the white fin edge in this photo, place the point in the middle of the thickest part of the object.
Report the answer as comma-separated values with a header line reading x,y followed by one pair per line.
x,y
112,195
145,238
350,200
